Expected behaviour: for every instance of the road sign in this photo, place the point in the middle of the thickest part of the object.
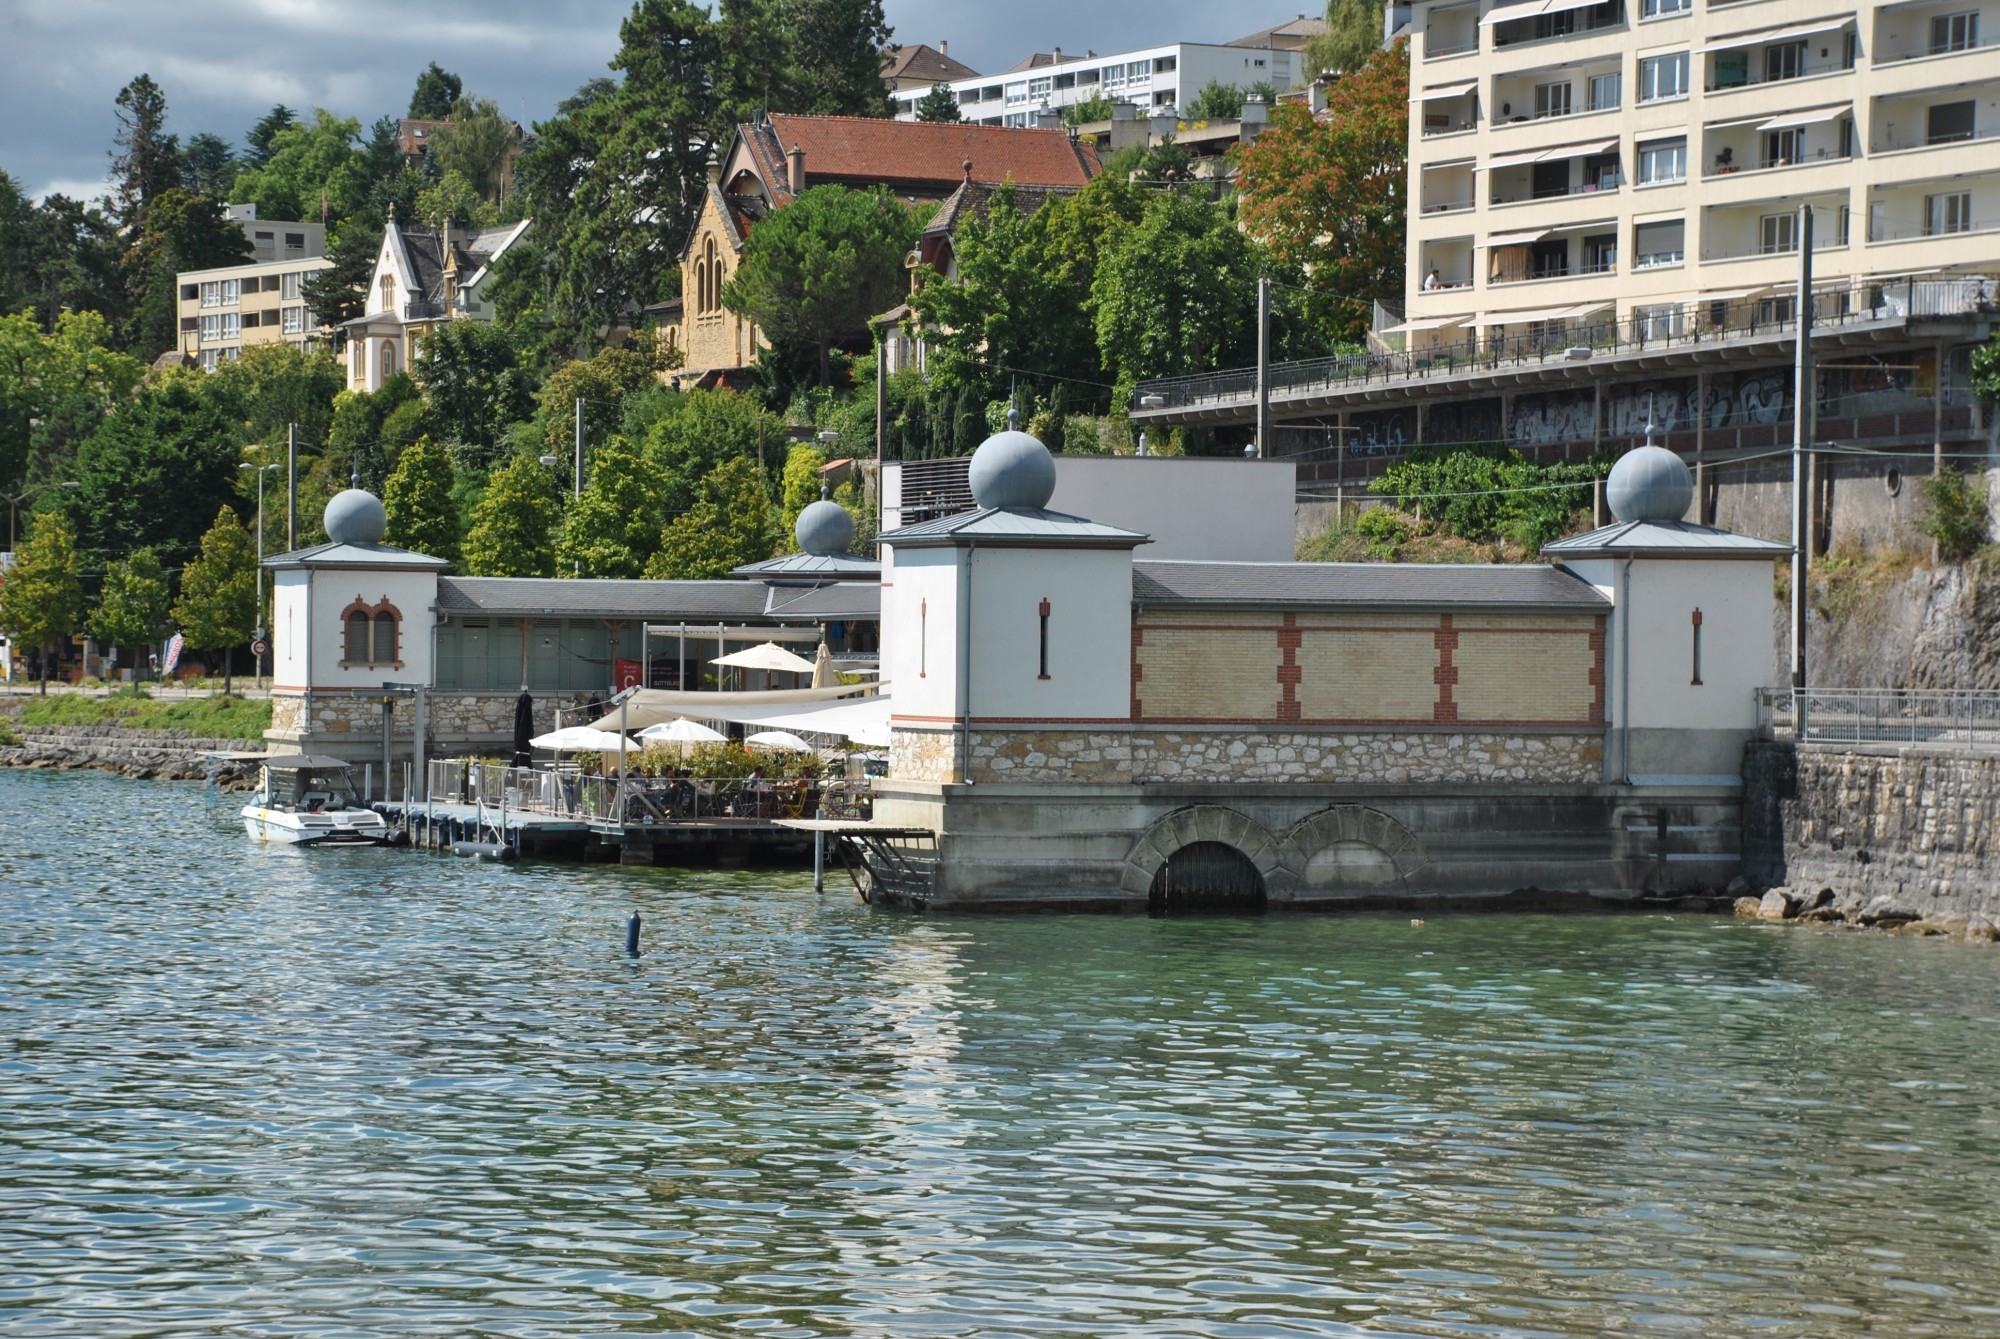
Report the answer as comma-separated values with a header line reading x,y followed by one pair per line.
x,y
260,648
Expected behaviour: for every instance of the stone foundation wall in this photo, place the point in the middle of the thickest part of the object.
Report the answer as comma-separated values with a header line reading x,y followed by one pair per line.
x,y
453,721
1893,833
923,755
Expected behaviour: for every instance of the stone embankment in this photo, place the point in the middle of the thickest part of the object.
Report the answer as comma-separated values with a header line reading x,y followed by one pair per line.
x,y
1897,838
150,755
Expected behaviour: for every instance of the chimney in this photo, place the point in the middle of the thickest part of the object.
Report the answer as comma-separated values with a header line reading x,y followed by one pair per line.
x,y
944,47
714,169
795,173
967,165
1055,56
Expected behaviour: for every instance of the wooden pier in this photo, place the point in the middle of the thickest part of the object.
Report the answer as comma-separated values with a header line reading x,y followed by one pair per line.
x,y
715,842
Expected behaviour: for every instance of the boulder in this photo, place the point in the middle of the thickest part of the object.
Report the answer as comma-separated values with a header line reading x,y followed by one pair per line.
x,y
1775,905
1748,906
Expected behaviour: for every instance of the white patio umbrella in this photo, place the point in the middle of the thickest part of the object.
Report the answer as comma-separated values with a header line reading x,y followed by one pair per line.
x,y
766,656
823,675
681,730
778,739
581,739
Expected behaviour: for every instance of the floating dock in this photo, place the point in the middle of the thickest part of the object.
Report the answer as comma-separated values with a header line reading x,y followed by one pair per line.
x,y
724,842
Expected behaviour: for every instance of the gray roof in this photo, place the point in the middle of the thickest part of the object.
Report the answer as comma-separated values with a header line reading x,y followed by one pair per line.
x,y
355,555
831,566
660,600
1377,585
839,599
1015,526
1664,539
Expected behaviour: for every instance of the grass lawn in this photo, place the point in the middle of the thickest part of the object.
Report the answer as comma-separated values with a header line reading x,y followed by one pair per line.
x,y
215,717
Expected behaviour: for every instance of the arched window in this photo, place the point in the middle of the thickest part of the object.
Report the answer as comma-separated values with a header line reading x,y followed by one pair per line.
x,y
388,287
372,634
388,359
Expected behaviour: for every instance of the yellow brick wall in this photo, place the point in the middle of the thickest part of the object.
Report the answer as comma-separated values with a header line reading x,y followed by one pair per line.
x,y
712,339
1370,674
1520,675
1209,673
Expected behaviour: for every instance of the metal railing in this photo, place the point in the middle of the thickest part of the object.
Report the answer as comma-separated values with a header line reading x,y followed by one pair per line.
x,y
1660,327
637,801
1967,718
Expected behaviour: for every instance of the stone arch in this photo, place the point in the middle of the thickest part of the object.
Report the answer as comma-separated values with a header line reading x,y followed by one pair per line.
x,y
1351,848
1196,823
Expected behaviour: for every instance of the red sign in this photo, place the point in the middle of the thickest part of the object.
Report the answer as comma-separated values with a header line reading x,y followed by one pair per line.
x,y
626,674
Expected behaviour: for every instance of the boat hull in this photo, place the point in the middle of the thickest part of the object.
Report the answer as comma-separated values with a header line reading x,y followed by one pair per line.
x,y
342,827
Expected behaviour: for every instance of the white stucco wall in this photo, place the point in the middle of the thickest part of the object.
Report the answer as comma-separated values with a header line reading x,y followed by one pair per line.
x,y
333,589
920,649
1090,634
290,628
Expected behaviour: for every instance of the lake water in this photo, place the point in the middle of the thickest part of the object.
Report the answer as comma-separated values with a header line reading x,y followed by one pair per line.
x,y
269,1092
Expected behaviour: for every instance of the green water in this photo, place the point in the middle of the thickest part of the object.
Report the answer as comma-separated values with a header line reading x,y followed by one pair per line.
x,y
254,1091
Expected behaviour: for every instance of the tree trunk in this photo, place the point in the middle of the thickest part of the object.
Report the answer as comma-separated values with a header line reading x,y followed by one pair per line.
x,y
825,367
227,664
43,668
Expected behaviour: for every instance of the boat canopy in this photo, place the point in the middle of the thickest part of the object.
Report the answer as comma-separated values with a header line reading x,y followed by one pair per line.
x,y
307,762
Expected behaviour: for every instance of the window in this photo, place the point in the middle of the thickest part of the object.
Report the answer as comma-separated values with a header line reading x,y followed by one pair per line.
x,y
1778,233
288,286
1546,260
1662,77
270,284
1549,180
209,359
295,241
1087,76
1600,254
232,327
211,294
1600,172
1664,9
1783,147
1017,93
266,240
1166,64
1655,245
1947,213
1662,160
1039,89
1787,60
1605,90
371,634
1663,322
190,292
1949,122
388,290
1065,81
251,320
294,320
1954,32
231,291
1551,100
388,359
211,329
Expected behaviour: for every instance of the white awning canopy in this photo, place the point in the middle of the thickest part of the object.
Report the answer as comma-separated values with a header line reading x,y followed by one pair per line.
x,y
1524,317
1590,226
1522,157
1533,9
1422,323
1518,158
1456,89
766,656
1806,118
1786,34
1731,294
1586,309
1517,238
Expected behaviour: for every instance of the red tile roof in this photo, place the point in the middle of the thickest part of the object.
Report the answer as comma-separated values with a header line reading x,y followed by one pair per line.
x,y
915,157
924,62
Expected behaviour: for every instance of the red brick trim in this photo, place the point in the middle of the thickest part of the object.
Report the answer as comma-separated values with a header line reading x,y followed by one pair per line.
x,y
1597,640
1138,670
1288,669
1446,674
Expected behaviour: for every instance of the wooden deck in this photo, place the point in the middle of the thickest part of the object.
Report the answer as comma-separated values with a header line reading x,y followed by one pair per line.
x,y
724,842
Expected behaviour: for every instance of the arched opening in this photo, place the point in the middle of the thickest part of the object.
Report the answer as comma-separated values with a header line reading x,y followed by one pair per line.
x,y
1206,877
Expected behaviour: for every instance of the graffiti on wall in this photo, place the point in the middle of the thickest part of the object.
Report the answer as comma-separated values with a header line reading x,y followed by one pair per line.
x,y
1386,432
1673,404
1466,421
1565,416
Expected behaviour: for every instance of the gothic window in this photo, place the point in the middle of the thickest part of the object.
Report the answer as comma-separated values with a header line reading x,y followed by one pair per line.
x,y
388,359
373,631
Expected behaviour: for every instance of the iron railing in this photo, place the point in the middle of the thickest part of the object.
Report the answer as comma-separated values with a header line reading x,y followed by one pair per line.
x,y
1966,719
638,801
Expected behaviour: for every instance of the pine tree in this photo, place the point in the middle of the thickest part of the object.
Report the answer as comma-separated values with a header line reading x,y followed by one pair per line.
x,y
436,92
145,159
217,610
133,606
423,515
512,533
266,130
940,104
41,599
836,58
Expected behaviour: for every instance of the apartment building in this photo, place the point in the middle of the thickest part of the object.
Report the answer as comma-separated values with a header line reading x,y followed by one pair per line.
x,y
1161,77
227,310
273,239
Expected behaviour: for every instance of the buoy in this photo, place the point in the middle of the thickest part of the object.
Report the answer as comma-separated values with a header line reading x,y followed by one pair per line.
x,y
632,935
484,850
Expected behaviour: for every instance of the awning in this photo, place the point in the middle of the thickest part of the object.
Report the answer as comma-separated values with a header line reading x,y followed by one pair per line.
x,y
1586,309
1523,318
653,706
1518,158
1517,238
1741,40
1732,294
1533,9
1577,150
1594,224
1456,89
1421,323
1807,118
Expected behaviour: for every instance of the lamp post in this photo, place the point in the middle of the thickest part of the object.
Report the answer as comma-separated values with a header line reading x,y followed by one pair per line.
x,y
257,637
1149,402
14,500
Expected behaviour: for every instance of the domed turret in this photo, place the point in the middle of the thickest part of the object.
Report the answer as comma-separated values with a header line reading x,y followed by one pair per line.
x,y
355,516
1649,484
1012,470
824,529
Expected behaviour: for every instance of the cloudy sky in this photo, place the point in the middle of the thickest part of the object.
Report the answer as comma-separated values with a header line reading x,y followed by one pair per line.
x,y
224,63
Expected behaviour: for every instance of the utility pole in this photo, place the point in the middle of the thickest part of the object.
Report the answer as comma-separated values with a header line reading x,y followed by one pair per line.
x,y
579,446
1263,368
1802,427
257,637
291,487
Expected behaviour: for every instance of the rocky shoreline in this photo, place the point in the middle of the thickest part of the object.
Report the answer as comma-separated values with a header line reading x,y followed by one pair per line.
x,y
1823,907
146,755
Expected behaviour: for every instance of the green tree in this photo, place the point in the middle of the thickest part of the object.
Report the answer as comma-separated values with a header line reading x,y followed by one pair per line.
x,y
337,293
159,463
835,58
453,199
475,146
700,432
436,92
940,104
279,386
473,379
370,430
217,608
208,166
1353,35
798,489
513,527
41,597
182,232
133,605
751,63
813,273
613,529
1176,294
145,159
730,524
17,230
1954,514
602,382
423,516
42,374
263,136
308,164
1096,107
72,261
519,286
1215,101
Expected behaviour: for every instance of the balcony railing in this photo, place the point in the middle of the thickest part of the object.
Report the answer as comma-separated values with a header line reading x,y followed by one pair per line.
x,y
1826,241
422,311
1926,50
1877,233
1437,49
1751,78
1448,207
1448,128
1903,143
1733,167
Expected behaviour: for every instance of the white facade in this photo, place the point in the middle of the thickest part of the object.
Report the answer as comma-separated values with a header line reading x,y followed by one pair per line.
x,y
226,310
1164,78
1642,161
1051,634
313,647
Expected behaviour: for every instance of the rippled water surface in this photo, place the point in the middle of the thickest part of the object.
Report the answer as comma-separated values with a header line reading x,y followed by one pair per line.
x,y
248,1091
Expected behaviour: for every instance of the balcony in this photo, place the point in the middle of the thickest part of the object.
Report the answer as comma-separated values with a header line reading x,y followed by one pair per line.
x,y
1879,232
1926,50
1448,207
423,311
1906,143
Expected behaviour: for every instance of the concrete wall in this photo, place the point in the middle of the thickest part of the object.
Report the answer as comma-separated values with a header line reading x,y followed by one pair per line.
x,y
1089,598
920,648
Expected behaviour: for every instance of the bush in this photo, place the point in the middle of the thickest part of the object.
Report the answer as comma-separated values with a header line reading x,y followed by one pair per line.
x,y
1954,516
1488,492
1384,527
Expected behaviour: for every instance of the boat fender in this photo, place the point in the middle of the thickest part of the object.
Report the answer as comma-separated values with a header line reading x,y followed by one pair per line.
x,y
632,936
484,850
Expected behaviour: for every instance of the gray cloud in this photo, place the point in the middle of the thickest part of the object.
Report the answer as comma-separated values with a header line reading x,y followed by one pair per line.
x,y
224,63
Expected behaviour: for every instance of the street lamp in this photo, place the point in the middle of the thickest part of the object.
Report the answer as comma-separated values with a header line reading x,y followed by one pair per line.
x,y
1149,402
14,500
257,637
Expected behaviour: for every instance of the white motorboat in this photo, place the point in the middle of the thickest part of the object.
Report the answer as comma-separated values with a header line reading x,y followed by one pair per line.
x,y
308,799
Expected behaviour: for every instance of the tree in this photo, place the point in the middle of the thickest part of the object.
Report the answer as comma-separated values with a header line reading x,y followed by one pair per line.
x,y
1328,197
17,229
475,145
751,62
613,529
813,273
1353,35
337,294
217,609
728,526
159,463
469,372
72,261
703,430
513,525
43,377
263,136
309,167
940,104
370,429
835,58
602,382
208,166
279,386
436,92
41,599
181,232
1176,294
1096,107
418,498
798,490
133,605
454,200
1215,101
145,159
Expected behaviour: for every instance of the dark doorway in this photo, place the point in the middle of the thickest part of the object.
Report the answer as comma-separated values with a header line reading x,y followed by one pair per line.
x,y
1206,876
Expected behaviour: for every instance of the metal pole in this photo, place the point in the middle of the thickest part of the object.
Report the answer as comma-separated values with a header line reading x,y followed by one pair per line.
x,y
1802,416
260,573
291,487
1263,368
881,417
819,861
388,741
418,726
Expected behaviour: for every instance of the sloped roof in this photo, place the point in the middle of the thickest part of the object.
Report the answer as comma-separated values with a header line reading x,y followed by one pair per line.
x,y
830,566
914,157
1664,539
1377,585
838,599
677,600
918,61
974,198
355,555
1290,35
1015,526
